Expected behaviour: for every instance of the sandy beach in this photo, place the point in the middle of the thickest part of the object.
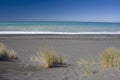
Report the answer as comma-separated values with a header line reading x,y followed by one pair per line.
x,y
71,47
59,39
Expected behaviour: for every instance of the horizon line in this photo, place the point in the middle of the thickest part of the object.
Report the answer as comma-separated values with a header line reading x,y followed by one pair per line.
x,y
56,21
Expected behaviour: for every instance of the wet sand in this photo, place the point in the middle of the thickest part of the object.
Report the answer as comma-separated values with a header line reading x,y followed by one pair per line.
x,y
71,47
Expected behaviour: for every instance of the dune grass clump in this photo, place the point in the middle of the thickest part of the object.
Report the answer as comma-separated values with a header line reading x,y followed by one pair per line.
x,y
107,57
48,58
3,50
6,53
12,54
117,59
111,58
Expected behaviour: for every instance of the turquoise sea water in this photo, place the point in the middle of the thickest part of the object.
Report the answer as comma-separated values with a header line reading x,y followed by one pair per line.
x,y
59,26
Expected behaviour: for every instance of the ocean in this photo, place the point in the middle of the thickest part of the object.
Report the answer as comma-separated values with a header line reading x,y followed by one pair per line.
x,y
58,27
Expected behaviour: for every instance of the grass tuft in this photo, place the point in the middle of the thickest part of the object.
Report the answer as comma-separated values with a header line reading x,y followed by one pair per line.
x,y
48,58
6,53
111,57
117,59
12,54
107,57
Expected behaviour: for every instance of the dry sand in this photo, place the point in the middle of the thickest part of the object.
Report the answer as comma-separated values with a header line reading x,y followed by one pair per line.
x,y
72,48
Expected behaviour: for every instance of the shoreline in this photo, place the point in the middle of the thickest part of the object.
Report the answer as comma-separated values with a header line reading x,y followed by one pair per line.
x,y
55,33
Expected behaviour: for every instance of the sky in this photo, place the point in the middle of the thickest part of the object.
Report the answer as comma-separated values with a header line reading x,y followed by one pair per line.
x,y
60,10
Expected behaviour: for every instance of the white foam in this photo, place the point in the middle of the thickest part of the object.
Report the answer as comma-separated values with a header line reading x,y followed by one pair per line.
x,y
67,33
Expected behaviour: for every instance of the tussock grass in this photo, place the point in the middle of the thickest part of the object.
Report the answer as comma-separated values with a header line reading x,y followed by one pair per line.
x,y
117,59
111,58
48,58
12,54
7,53
107,57
3,50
